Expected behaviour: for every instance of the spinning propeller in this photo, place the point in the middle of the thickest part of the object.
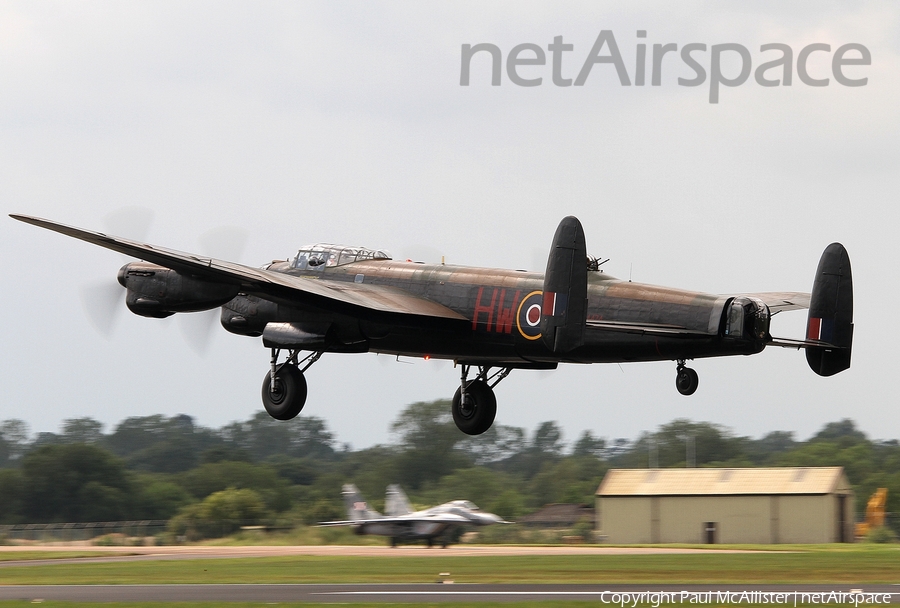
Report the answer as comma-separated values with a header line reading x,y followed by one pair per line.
x,y
224,243
103,301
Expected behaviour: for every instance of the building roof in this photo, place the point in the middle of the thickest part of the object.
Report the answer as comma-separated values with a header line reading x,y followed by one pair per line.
x,y
717,482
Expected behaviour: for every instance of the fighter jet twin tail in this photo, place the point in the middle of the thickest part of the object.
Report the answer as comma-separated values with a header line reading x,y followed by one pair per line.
x,y
441,524
337,299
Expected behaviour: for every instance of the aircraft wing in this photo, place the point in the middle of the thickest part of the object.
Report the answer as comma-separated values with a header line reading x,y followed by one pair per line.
x,y
437,518
345,522
352,298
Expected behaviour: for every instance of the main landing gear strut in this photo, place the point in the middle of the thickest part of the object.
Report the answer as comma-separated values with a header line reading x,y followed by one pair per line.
x,y
686,379
284,388
474,404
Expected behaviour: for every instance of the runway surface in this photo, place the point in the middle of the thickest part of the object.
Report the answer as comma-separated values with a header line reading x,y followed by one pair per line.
x,y
392,593
407,593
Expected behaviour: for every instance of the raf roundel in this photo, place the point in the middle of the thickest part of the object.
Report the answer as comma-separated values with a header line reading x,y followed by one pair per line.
x,y
528,317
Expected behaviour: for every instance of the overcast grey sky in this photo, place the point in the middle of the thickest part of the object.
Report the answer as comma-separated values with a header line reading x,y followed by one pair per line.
x,y
346,122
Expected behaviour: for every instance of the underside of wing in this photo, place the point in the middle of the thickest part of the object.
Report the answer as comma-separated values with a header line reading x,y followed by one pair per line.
x,y
367,301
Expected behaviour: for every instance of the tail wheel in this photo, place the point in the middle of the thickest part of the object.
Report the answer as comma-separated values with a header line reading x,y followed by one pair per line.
x,y
288,396
474,414
686,381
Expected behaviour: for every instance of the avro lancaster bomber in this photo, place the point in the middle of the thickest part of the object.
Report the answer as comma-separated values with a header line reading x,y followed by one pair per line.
x,y
336,299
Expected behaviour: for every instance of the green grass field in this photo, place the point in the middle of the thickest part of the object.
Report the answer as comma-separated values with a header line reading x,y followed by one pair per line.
x,y
31,555
840,564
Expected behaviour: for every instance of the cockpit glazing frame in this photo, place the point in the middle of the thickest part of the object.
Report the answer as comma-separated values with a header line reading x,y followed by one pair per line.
x,y
327,255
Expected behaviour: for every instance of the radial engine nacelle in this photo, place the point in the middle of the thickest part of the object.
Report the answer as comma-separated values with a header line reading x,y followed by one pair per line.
x,y
159,292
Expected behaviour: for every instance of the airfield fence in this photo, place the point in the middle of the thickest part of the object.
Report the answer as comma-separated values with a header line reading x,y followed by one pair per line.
x,y
81,531
130,532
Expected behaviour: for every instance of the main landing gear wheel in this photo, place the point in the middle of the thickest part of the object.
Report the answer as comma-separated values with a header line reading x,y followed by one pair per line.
x,y
474,404
285,400
474,412
284,389
686,379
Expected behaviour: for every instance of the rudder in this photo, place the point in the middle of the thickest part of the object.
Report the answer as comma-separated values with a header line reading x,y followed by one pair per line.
x,y
564,305
357,508
395,502
831,313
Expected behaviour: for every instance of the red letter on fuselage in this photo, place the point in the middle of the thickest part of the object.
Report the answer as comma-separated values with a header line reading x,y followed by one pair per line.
x,y
479,308
505,315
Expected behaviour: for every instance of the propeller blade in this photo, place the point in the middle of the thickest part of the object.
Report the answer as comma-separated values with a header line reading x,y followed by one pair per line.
x,y
129,222
102,304
102,301
197,329
438,365
225,242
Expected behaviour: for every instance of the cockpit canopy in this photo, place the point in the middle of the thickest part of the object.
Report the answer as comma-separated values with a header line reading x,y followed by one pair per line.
x,y
322,255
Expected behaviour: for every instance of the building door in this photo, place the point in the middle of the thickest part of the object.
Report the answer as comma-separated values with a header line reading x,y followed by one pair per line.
x,y
709,532
842,519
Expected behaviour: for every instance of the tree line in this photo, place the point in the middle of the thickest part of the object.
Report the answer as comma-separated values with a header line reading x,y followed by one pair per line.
x,y
170,468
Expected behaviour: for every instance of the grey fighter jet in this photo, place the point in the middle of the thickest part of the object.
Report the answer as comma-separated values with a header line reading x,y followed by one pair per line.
x,y
440,524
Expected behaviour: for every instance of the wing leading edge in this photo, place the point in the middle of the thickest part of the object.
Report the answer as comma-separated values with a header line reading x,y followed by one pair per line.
x,y
352,298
